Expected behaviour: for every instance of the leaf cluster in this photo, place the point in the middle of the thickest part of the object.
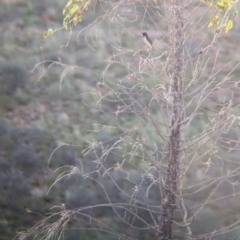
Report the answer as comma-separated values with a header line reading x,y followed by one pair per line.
x,y
225,14
72,13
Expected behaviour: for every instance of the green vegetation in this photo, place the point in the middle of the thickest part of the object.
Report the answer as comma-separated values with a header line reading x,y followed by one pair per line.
x,y
69,93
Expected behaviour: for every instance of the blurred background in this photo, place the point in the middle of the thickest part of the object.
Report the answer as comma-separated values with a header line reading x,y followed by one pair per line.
x,y
45,105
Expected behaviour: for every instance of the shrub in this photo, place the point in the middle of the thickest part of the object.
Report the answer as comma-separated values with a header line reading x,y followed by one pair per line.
x,y
12,77
25,159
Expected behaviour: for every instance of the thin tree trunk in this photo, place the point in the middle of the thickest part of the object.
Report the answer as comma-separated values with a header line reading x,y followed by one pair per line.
x,y
173,156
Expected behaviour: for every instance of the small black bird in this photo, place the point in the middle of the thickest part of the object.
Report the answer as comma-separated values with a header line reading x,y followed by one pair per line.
x,y
147,40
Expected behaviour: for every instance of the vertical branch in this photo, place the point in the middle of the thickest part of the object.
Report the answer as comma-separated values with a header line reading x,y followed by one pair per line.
x,y
173,156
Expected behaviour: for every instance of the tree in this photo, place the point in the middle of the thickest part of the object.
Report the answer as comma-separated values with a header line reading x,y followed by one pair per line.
x,y
150,112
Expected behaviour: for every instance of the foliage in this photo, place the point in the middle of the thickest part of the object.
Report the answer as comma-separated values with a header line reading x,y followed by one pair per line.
x,y
72,12
222,20
116,128
151,121
7,103
225,15
25,159
12,77
15,196
23,176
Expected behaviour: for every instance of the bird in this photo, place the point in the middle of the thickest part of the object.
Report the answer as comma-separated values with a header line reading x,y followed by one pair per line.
x,y
147,40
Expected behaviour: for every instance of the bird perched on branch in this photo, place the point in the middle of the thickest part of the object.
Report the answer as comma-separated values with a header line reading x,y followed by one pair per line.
x,y
147,40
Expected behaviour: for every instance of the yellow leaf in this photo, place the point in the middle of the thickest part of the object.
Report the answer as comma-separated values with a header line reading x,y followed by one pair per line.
x,y
225,4
77,19
229,26
67,6
65,25
66,21
48,33
220,5
213,21
74,9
